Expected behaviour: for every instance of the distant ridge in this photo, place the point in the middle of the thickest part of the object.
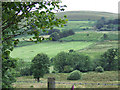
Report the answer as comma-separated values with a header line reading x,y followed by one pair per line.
x,y
87,15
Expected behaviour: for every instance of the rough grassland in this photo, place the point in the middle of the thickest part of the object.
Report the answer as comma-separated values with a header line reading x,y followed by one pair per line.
x,y
50,48
108,77
86,15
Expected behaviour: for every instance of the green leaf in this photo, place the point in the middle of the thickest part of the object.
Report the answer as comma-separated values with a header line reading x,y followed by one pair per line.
x,y
65,16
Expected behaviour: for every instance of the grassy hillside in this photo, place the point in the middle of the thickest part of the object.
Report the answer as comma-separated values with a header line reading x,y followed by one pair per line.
x,y
92,36
86,15
94,51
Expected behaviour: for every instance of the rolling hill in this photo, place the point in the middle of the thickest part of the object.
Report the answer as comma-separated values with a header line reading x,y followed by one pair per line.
x,y
86,15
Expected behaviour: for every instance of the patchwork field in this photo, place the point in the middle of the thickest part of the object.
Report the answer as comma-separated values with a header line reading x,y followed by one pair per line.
x,y
50,48
78,25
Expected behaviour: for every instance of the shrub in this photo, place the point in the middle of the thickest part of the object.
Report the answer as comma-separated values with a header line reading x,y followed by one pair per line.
x,y
99,69
32,86
53,30
53,71
55,36
75,75
71,50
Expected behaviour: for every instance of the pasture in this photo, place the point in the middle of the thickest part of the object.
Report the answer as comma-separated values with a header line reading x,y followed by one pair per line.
x,y
97,49
92,36
50,48
77,26
108,77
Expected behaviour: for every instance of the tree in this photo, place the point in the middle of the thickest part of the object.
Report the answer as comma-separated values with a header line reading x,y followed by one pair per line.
x,y
42,17
63,61
60,61
53,30
100,23
109,60
40,65
71,32
55,36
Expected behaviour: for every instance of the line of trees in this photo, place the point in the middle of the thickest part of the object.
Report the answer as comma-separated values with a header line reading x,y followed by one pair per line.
x,y
67,62
56,35
107,25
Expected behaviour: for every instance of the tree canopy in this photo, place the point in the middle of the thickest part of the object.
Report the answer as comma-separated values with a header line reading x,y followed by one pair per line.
x,y
40,65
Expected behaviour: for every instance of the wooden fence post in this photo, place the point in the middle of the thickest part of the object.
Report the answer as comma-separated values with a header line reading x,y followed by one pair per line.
x,y
51,83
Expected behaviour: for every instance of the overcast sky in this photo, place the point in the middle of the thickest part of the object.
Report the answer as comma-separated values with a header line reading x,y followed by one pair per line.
x,y
92,5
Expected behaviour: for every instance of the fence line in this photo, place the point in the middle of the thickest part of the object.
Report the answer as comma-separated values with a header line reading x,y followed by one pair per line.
x,y
70,83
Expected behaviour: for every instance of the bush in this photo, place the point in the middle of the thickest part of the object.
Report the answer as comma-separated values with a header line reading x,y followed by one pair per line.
x,y
53,30
75,75
53,71
99,69
71,50
55,36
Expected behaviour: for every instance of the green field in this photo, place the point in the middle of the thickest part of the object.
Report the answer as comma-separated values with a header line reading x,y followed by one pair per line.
x,y
77,26
50,48
94,51
91,36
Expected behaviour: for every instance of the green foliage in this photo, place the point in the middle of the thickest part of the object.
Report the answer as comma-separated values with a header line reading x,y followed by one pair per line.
x,y
66,33
8,72
24,68
60,61
53,30
66,62
68,69
55,36
40,65
99,69
106,25
75,75
15,24
71,50
109,60
31,86
9,78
